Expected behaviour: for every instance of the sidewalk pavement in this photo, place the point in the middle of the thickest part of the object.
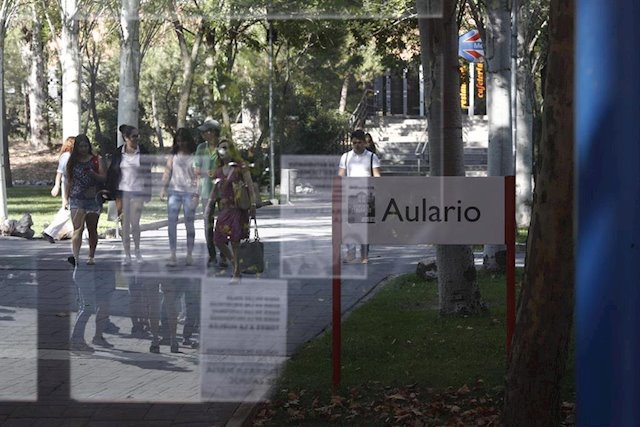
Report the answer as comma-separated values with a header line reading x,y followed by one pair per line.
x,y
43,383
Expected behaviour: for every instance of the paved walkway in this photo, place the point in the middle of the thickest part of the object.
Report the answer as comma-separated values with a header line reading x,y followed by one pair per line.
x,y
43,383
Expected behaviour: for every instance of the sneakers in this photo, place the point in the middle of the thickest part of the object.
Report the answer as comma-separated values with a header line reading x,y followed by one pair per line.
x,y
111,328
101,342
171,261
72,260
81,346
365,260
189,260
348,258
139,259
47,237
91,261
154,347
126,260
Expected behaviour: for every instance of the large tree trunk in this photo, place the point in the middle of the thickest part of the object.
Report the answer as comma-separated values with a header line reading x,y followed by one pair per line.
x,y
524,124
70,62
545,311
128,110
37,83
497,49
5,166
457,284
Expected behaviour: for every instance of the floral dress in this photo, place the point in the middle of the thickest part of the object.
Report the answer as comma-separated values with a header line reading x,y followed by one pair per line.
x,y
232,224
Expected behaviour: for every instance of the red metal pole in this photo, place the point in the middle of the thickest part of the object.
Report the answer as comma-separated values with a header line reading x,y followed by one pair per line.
x,y
510,240
336,240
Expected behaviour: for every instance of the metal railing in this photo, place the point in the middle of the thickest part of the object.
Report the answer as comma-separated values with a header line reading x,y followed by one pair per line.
x,y
421,148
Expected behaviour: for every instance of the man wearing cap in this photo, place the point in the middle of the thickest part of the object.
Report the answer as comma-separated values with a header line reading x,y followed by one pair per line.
x,y
206,162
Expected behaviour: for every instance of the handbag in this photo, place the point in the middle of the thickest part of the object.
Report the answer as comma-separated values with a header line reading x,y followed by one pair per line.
x,y
251,253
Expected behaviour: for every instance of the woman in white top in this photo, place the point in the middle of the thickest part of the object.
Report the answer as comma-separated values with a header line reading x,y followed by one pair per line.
x,y
180,182
62,217
129,180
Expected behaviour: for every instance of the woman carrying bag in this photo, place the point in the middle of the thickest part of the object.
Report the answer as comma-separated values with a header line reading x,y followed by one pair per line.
x,y
231,177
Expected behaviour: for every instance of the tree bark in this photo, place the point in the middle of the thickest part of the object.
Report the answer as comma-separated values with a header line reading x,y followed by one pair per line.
x,y
128,109
5,165
70,63
497,58
38,118
524,122
545,311
457,284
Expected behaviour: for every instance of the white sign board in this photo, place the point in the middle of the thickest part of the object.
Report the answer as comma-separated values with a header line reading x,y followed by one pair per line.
x,y
418,210
243,332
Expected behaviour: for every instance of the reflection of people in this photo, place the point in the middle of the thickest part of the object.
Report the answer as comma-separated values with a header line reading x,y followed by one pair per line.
x,y
206,163
129,178
51,232
93,296
233,223
84,172
180,181
358,162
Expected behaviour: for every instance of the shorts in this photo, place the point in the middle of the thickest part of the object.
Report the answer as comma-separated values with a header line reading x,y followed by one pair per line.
x,y
88,205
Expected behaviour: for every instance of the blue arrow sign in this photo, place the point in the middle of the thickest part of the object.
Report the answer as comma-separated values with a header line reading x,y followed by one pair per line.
x,y
470,46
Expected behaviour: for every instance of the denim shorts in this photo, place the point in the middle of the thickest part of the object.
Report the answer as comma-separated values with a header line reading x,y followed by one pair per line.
x,y
89,205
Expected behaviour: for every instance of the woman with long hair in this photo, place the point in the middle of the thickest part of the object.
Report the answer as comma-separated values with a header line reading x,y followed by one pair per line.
x,y
232,224
85,171
129,180
180,184
51,232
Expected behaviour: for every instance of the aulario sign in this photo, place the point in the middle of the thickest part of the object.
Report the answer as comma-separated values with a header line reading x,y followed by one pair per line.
x,y
421,210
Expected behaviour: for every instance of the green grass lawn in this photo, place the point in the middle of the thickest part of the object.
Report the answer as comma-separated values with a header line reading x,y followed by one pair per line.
x,y
38,202
398,353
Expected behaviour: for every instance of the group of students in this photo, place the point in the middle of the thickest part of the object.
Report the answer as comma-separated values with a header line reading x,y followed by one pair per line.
x,y
193,175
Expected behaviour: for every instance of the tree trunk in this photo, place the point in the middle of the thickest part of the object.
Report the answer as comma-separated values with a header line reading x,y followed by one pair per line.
x,y
189,58
156,119
342,106
457,284
545,311
128,110
5,165
524,122
497,58
38,119
70,63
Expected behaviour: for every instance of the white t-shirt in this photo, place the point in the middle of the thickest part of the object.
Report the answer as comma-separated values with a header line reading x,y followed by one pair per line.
x,y
183,175
129,171
359,165
62,169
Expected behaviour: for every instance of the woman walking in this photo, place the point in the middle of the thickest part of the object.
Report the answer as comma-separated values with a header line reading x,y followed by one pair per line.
x,y
180,182
232,224
84,172
51,232
129,179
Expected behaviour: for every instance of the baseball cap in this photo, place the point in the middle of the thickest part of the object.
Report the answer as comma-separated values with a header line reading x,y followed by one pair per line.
x,y
209,124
